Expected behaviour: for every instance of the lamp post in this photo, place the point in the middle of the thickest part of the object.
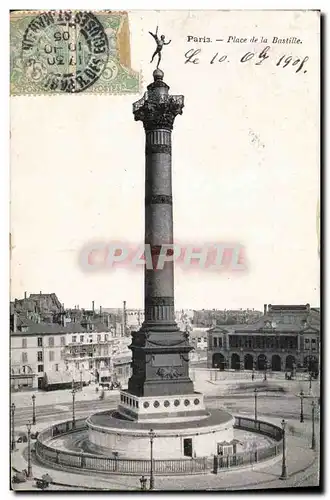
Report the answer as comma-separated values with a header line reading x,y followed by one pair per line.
x,y
73,408
255,404
284,474
301,395
29,469
310,382
34,410
81,382
152,482
313,426
13,443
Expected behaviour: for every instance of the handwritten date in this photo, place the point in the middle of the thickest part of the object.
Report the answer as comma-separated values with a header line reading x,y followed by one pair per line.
x,y
258,57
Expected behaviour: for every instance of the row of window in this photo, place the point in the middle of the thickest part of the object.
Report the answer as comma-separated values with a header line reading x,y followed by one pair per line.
x,y
40,357
261,342
90,339
217,342
51,340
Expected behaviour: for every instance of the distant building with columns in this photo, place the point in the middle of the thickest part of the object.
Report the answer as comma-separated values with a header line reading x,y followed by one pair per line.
x,y
285,337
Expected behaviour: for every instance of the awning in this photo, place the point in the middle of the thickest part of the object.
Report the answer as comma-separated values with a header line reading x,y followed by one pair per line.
x,y
122,361
62,377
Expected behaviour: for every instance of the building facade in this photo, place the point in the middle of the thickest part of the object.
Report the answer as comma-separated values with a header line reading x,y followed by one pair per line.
x,y
286,337
73,345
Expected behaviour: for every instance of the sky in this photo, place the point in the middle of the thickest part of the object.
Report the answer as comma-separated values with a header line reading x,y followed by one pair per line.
x,y
245,169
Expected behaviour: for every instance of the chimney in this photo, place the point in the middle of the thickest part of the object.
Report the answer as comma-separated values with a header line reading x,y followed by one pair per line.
x,y
100,310
40,292
265,309
15,322
25,295
124,319
93,306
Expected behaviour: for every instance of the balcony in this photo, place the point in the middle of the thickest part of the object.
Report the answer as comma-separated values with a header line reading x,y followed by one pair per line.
x,y
93,342
71,357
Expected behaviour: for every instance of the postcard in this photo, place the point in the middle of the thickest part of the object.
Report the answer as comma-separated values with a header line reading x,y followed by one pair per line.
x,y
165,245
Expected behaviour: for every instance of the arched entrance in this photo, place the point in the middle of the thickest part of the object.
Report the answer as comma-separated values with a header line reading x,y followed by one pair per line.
x,y
218,361
248,362
235,362
289,362
261,362
276,363
311,364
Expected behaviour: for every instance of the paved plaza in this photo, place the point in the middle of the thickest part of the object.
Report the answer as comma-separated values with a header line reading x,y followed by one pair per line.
x,y
227,393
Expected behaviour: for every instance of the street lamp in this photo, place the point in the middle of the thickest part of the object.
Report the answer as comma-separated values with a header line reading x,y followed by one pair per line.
x,y
29,469
310,382
81,382
34,410
301,395
284,474
255,404
73,408
152,482
13,444
313,426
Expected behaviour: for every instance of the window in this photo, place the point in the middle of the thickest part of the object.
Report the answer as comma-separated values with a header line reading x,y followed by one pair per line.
x,y
24,357
199,339
39,341
74,338
313,341
56,368
24,343
82,337
51,355
90,365
306,341
40,368
99,338
220,342
40,356
51,341
106,351
62,354
215,342
62,340
106,337
225,450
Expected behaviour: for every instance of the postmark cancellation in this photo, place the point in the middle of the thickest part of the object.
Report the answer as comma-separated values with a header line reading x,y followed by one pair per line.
x,y
66,52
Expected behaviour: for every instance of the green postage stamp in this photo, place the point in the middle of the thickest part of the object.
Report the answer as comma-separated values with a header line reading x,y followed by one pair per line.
x,y
60,52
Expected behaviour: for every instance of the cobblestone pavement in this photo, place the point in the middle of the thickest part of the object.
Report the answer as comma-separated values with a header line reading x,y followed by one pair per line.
x,y
302,462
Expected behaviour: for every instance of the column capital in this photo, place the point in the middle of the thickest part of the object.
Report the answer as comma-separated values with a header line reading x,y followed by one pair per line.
x,y
158,113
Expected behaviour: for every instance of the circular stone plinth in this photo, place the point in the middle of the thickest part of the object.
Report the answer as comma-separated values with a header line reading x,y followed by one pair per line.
x,y
112,432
